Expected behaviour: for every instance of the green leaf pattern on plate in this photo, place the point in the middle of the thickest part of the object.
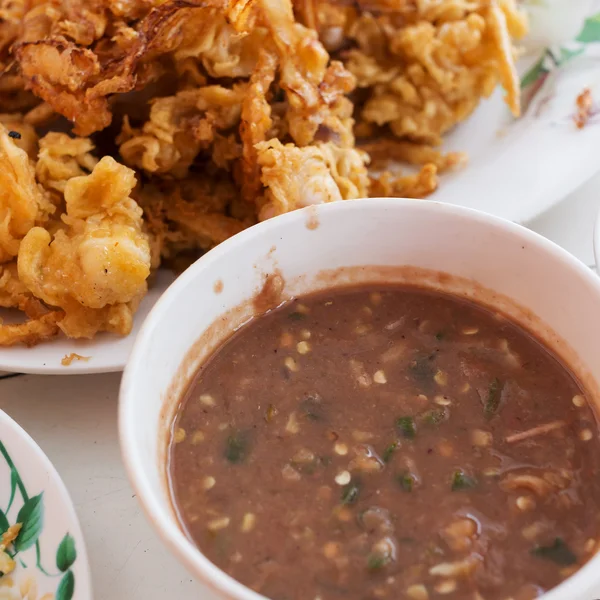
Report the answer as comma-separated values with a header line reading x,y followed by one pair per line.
x,y
554,58
66,553
66,587
31,518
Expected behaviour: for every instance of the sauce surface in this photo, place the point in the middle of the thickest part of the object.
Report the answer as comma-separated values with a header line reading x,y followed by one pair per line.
x,y
390,442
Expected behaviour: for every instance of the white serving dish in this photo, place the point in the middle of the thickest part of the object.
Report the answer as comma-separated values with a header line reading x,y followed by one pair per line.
x,y
513,268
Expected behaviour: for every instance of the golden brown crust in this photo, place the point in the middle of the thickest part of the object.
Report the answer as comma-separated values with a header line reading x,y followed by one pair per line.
x,y
167,126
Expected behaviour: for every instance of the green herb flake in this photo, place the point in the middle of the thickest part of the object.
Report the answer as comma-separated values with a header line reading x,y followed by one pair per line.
x,y
435,416
423,370
439,336
236,447
462,481
311,407
492,403
389,451
591,30
350,493
407,427
558,552
406,481
375,561
296,316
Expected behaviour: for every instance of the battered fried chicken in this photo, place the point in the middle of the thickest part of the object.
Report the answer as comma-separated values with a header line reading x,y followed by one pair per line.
x,y
423,66
148,131
298,177
23,203
95,267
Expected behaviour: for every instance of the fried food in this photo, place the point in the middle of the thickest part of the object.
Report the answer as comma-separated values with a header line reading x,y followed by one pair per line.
x,y
585,105
95,266
23,203
298,177
423,66
142,133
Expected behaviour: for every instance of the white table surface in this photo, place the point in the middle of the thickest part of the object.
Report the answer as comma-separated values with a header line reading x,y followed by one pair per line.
x,y
74,420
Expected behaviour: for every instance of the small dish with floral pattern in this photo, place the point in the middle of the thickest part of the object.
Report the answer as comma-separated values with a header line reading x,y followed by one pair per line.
x,y
42,552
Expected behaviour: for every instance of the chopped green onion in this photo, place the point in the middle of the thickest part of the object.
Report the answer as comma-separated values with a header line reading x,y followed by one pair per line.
x,y
439,336
422,369
376,561
435,416
389,451
406,426
312,407
406,481
462,481
350,493
492,404
557,552
236,447
296,316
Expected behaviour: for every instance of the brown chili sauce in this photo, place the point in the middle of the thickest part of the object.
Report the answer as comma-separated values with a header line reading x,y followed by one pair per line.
x,y
387,442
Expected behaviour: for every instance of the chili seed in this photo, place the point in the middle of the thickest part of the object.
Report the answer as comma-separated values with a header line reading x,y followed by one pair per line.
x,y
417,592
441,378
218,524
525,503
379,377
579,401
303,347
179,435
208,483
481,438
248,522
292,425
291,364
446,587
207,400
340,449
343,478
470,330
442,401
197,437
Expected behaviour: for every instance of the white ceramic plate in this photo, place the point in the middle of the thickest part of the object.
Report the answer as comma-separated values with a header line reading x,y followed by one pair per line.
x,y
520,168
105,354
49,552
517,170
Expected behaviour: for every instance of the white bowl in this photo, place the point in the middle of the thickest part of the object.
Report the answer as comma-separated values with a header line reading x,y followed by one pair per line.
x,y
51,558
514,269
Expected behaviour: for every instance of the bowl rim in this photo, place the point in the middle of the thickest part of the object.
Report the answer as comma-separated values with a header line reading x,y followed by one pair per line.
x,y
163,521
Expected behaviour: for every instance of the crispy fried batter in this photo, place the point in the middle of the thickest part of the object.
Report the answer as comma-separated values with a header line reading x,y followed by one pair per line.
x,y
419,185
297,177
385,151
180,127
230,112
96,265
426,65
585,105
23,203
31,332
61,158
